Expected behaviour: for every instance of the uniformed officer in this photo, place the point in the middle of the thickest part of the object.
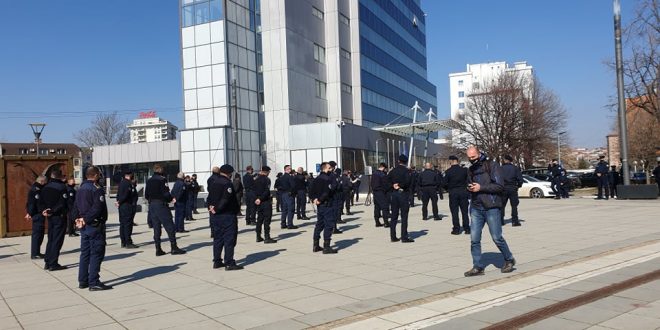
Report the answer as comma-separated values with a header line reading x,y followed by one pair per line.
x,y
456,181
264,203
321,191
429,181
414,187
33,215
555,169
158,195
381,191
300,183
91,216
223,206
278,195
601,175
401,181
215,175
346,190
126,208
70,221
337,197
53,206
134,201
287,191
180,199
442,181
512,177
195,190
248,187
189,196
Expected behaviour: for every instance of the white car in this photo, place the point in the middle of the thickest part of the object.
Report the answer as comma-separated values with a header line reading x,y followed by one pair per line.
x,y
535,188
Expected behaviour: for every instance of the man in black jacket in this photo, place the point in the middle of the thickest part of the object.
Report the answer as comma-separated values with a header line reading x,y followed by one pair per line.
x,y
248,188
321,191
70,221
456,181
125,205
53,206
224,208
401,181
287,191
486,186
158,194
428,182
264,203
346,187
300,185
513,180
33,215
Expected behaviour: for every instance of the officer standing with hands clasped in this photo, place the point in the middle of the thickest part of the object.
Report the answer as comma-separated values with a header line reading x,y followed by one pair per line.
x,y
158,195
381,189
429,181
264,203
248,187
125,205
70,220
456,179
601,175
52,205
321,193
91,216
513,180
224,208
401,181
287,190
33,215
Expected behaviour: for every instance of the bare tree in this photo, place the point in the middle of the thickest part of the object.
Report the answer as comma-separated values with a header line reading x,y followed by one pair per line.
x,y
105,129
642,67
513,114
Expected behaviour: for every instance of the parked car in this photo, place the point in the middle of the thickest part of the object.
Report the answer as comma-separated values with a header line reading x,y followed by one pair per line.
x,y
588,179
638,178
575,179
535,188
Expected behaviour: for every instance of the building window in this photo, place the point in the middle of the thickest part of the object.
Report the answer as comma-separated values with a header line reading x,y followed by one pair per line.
x,y
202,13
346,88
76,162
76,174
461,94
23,151
61,151
461,105
475,85
320,89
188,17
460,83
43,151
319,53
343,19
345,54
317,12
216,10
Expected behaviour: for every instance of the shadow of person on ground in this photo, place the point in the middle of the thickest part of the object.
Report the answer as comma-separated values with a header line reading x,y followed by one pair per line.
x,y
145,273
11,255
259,256
346,243
349,227
418,234
121,256
492,258
195,246
288,235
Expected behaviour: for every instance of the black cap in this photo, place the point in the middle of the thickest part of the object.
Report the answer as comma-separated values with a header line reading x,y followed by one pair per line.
x,y
452,157
265,168
332,163
128,172
403,158
508,157
226,169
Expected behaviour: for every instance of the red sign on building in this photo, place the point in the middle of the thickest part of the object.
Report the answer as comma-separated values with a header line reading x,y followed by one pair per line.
x,y
147,114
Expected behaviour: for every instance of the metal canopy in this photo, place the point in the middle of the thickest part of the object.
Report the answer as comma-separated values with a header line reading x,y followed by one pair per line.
x,y
418,127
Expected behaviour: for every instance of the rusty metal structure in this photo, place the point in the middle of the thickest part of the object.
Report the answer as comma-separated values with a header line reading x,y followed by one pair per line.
x,y
17,173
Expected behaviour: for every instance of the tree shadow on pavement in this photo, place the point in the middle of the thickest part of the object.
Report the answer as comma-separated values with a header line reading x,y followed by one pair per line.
x,y
259,256
145,273
346,243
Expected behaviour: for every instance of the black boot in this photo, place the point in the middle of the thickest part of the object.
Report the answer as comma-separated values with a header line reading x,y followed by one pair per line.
x,y
327,249
378,224
269,240
316,247
259,238
159,251
386,223
175,250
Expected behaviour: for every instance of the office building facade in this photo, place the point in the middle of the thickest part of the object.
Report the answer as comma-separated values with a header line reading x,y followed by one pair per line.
x,y
151,129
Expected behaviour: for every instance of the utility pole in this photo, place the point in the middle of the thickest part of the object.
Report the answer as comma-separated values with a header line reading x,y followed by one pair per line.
x,y
623,129
37,129
415,108
234,99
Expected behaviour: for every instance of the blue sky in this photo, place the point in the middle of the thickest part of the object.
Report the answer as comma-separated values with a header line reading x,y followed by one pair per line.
x,y
94,56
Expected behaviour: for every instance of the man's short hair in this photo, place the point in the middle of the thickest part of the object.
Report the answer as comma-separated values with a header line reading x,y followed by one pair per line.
x,y
92,171
249,168
56,174
158,168
382,165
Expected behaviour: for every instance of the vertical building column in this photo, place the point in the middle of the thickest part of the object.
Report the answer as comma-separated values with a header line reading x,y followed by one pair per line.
x,y
332,57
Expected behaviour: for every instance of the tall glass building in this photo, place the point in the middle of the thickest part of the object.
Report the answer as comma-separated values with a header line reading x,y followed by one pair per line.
x,y
294,62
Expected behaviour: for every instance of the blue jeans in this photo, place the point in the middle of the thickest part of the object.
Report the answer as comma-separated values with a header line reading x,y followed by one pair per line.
x,y
288,204
479,219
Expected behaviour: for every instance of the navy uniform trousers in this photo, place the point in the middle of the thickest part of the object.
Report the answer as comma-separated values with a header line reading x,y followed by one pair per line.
x,y
400,204
38,230
225,232
429,193
381,206
56,231
126,223
325,221
92,252
161,216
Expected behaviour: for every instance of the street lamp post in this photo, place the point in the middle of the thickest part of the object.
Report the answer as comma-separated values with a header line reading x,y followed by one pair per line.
x,y
559,146
377,157
623,130
37,128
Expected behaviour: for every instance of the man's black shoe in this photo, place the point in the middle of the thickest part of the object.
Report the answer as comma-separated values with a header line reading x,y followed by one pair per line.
x,y
516,224
282,227
160,252
292,227
131,246
100,287
184,231
74,235
425,218
259,239
269,240
466,231
349,213
83,285
393,240
341,221
378,224
407,240
508,266
233,267
218,264
437,218
46,267
195,212
337,231
456,232
57,267
474,272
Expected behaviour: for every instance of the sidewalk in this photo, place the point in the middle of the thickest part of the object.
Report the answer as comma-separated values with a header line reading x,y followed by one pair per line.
x,y
286,286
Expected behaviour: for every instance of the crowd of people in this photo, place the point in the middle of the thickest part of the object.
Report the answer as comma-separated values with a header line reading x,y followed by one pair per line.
x,y
486,186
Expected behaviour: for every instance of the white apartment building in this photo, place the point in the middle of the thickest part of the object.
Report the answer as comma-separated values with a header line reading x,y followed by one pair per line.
x,y
461,84
151,129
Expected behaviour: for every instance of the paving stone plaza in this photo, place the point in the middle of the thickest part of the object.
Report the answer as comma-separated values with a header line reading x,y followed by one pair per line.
x,y
564,249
